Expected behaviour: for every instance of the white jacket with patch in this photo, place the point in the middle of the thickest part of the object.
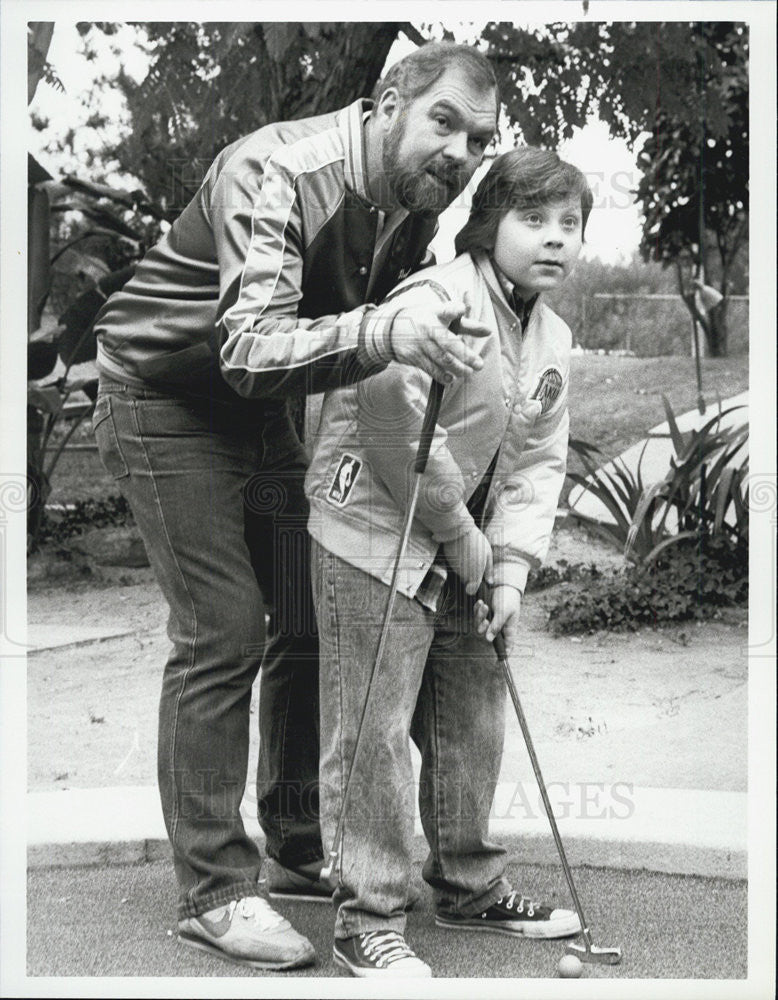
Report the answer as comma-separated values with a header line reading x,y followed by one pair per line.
x,y
361,473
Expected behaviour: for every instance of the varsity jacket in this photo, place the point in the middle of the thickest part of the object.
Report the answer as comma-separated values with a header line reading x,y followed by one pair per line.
x,y
361,471
267,273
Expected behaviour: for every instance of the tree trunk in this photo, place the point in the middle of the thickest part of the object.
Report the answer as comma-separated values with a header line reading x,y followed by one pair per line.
x,y
38,41
716,331
362,48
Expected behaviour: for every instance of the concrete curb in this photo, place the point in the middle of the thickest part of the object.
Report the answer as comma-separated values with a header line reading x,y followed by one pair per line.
x,y
676,831
678,859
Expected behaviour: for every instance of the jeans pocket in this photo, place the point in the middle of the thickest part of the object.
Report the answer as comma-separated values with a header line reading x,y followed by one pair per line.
x,y
107,442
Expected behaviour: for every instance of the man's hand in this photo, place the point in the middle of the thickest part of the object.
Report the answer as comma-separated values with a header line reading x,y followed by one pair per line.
x,y
506,605
470,557
424,338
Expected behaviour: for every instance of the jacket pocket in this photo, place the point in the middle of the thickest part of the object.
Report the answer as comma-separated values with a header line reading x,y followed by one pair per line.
x,y
107,441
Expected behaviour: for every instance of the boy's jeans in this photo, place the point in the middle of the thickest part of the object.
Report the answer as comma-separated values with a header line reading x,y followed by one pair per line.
x,y
445,690
222,536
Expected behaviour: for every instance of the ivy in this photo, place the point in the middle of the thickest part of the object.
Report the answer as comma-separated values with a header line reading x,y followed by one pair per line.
x,y
689,580
561,572
84,515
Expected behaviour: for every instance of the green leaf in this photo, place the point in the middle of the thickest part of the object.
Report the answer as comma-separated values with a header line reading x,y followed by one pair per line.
x,y
675,434
645,506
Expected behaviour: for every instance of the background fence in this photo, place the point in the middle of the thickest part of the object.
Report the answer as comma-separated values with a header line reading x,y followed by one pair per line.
x,y
649,325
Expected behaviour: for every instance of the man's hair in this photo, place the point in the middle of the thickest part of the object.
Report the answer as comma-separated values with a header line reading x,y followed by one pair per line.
x,y
416,73
522,178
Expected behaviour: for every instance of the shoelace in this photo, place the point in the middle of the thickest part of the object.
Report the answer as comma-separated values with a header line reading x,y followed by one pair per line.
x,y
511,903
386,946
257,910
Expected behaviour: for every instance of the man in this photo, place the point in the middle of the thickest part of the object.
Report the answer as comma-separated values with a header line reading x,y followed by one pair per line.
x,y
262,290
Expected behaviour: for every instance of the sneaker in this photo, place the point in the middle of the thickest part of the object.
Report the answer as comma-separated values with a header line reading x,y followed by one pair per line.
x,y
378,953
297,883
516,915
248,931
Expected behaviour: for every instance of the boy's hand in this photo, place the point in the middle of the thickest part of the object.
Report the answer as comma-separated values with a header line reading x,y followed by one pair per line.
x,y
470,557
506,608
424,338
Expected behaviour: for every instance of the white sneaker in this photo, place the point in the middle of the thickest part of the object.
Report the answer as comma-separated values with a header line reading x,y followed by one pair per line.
x,y
250,932
378,953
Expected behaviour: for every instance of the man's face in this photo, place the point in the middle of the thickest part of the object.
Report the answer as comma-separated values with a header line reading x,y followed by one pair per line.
x,y
536,248
435,142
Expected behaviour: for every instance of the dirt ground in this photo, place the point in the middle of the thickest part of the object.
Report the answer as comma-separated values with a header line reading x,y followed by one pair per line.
x,y
662,708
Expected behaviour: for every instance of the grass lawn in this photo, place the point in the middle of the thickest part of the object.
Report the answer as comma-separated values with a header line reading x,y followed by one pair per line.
x,y
614,401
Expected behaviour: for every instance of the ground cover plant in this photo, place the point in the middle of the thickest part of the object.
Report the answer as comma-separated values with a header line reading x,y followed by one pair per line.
x,y
690,580
686,536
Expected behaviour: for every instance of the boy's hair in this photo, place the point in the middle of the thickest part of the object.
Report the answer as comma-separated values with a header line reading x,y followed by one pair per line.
x,y
416,72
521,178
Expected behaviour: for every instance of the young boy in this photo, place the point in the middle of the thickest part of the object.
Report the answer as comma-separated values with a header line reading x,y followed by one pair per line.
x,y
485,512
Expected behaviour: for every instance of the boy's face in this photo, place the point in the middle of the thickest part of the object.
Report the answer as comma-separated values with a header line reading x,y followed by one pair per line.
x,y
536,248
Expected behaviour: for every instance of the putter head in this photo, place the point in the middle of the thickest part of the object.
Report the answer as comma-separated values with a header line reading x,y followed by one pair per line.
x,y
594,955
325,875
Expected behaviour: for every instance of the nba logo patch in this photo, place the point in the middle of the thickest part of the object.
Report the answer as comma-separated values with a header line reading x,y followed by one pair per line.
x,y
548,388
343,481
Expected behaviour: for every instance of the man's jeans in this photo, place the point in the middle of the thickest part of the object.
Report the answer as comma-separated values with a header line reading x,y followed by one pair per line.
x,y
446,691
217,493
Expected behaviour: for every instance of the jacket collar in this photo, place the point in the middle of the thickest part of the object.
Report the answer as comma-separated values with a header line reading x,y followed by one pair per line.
x,y
352,128
501,288
520,307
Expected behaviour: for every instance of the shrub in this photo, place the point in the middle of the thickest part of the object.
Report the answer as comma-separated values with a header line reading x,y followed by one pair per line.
x,y
82,516
701,491
690,579
561,572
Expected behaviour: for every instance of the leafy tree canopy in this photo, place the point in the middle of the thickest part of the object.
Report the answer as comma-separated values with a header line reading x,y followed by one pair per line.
x,y
681,86
208,84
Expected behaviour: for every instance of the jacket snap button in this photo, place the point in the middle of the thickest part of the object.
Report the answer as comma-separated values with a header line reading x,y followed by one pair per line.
x,y
363,270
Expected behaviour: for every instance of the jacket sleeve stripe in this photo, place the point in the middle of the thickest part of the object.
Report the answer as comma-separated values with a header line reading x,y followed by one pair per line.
x,y
263,331
265,257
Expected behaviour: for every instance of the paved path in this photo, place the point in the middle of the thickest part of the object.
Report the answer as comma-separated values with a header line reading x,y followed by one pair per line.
x,y
622,727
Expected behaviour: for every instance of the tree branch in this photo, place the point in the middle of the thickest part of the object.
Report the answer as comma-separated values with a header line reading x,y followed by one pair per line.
x,y
413,34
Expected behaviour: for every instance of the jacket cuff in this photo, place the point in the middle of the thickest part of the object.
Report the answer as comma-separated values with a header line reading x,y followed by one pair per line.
x,y
512,574
457,524
374,341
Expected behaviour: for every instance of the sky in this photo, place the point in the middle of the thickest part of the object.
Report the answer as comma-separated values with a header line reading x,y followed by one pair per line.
x,y
613,230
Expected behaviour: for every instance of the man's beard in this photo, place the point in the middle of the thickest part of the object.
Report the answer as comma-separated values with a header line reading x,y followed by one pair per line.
x,y
416,190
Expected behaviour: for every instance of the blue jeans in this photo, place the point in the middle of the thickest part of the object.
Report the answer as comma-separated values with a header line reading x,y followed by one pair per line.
x,y
444,689
216,488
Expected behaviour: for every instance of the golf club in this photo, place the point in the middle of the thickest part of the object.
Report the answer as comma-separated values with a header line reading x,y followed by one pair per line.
x,y
420,464
586,952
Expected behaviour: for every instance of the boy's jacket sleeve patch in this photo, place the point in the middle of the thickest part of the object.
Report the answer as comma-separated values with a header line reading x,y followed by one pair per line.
x,y
548,387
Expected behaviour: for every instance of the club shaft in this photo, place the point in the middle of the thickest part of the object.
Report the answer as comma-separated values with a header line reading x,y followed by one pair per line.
x,y
499,644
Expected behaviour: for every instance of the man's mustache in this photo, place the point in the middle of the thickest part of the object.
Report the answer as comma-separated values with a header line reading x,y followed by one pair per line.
x,y
449,174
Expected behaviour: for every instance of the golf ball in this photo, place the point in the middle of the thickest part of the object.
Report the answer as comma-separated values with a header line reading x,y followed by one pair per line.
x,y
570,967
